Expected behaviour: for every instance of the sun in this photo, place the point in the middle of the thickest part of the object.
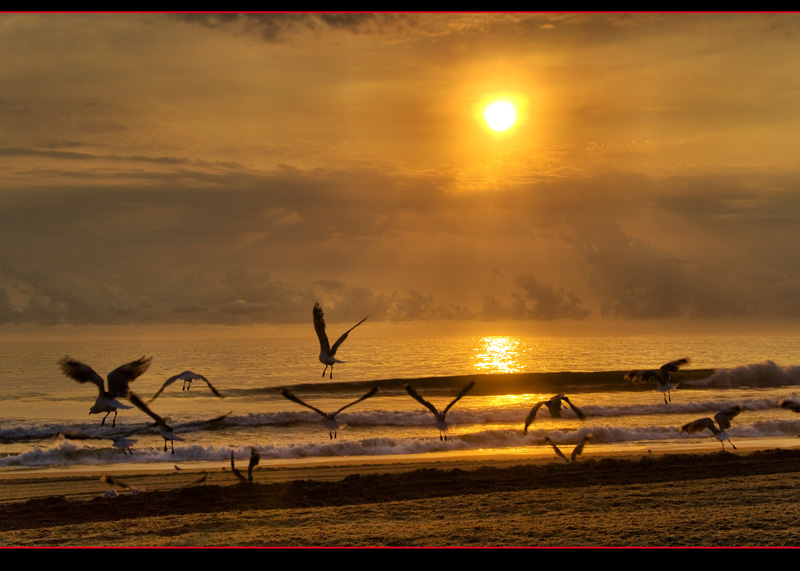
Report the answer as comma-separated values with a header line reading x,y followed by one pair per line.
x,y
500,115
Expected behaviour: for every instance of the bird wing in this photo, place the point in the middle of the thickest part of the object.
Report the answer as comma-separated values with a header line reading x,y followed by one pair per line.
x,y
167,383
341,339
464,391
292,397
81,372
370,393
579,448
210,386
556,448
699,425
531,416
119,378
724,417
671,367
255,458
319,327
578,412
236,472
139,403
410,390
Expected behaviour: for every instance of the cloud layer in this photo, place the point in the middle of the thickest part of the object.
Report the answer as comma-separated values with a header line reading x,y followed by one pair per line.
x,y
234,169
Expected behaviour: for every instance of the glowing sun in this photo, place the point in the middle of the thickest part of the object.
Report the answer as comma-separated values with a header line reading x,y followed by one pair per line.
x,y
500,115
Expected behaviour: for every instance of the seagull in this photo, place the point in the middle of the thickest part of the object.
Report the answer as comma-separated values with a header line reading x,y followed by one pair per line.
x,y
331,423
440,421
575,452
118,381
187,377
723,419
255,458
554,405
661,376
163,428
326,352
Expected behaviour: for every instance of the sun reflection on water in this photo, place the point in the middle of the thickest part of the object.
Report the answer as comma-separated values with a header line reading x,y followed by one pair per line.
x,y
499,355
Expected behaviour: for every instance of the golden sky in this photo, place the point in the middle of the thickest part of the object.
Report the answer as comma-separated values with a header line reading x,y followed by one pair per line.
x,y
234,169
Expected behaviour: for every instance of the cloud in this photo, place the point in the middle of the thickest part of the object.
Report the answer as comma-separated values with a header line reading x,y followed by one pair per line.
x,y
277,27
548,302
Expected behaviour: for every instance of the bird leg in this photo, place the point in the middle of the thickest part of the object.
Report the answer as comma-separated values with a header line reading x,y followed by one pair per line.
x,y
114,421
324,370
102,422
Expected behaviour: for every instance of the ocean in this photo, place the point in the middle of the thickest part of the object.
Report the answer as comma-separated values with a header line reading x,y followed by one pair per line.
x,y
45,421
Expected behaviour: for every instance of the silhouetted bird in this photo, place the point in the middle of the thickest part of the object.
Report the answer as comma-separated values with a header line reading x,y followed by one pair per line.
x,y
554,405
326,351
166,431
577,451
118,381
440,422
660,376
255,458
330,421
723,419
187,377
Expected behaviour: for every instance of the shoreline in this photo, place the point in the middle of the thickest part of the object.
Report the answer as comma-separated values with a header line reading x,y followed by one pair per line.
x,y
483,499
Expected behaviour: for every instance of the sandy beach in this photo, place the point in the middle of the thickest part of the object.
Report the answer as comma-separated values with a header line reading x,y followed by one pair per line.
x,y
698,497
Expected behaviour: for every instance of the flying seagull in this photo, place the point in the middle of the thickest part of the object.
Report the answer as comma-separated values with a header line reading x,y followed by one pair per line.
x,y
187,377
326,351
577,451
331,423
255,458
723,419
440,422
660,376
163,428
554,405
118,381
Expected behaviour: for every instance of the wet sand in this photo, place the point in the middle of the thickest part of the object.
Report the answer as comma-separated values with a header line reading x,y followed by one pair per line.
x,y
700,497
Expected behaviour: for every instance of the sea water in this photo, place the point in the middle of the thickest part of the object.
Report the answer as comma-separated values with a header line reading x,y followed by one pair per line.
x,y
45,420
